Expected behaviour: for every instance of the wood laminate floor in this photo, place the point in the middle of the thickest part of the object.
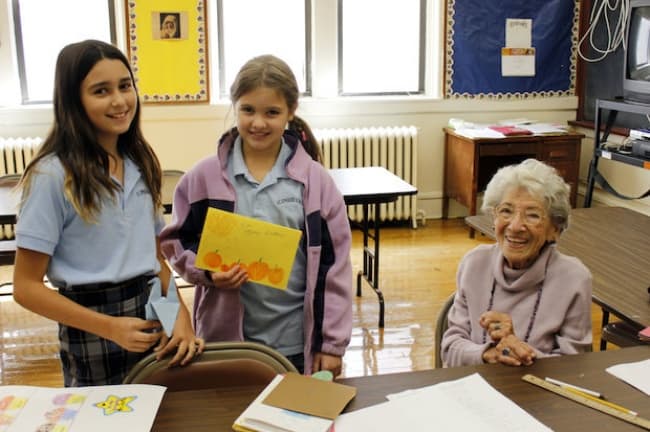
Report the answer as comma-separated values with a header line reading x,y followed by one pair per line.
x,y
417,273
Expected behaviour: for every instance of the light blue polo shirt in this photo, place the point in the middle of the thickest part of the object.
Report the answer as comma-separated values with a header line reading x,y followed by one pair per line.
x,y
271,316
119,245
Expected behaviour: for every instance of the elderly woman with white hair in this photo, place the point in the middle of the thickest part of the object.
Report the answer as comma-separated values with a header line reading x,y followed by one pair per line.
x,y
520,299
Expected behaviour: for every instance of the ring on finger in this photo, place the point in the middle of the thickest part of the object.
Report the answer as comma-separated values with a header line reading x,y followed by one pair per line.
x,y
505,352
497,326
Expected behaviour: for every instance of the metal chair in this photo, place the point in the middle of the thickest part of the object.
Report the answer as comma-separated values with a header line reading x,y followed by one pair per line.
x,y
222,364
441,327
622,334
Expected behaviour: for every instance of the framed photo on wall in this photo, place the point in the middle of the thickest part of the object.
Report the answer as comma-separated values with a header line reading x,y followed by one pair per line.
x,y
167,45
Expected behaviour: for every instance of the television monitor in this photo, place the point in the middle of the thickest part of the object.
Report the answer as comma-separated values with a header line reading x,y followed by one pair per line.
x,y
636,78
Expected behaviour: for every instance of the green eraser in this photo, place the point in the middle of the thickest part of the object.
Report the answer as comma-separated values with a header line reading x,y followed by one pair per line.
x,y
323,375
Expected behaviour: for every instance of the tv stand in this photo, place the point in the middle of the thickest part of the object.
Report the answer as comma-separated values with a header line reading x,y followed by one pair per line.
x,y
613,107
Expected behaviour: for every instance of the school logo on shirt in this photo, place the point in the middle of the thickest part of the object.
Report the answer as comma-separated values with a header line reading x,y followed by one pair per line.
x,y
143,191
289,200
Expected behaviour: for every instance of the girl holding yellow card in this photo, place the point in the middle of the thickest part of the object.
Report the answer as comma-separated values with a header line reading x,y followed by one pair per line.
x,y
268,167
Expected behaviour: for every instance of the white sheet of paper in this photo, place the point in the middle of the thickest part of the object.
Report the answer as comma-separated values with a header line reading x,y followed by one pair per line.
x,y
469,403
484,132
635,374
519,33
546,128
518,65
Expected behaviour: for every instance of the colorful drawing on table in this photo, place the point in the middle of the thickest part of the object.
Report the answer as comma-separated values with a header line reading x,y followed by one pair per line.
x,y
76,409
265,250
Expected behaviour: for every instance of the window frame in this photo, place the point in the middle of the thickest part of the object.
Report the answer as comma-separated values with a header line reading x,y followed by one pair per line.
x,y
20,49
322,55
224,92
422,49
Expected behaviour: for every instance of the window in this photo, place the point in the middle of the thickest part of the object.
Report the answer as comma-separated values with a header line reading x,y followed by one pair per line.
x,y
334,47
248,28
381,46
43,28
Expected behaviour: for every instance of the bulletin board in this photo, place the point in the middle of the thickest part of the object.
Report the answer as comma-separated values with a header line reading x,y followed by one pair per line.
x,y
168,50
475,36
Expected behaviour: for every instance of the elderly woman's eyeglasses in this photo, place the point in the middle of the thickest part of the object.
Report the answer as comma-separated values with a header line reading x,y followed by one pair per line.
x,y
532,217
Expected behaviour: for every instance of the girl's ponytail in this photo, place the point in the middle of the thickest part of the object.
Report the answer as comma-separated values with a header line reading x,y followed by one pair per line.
x,y
307,138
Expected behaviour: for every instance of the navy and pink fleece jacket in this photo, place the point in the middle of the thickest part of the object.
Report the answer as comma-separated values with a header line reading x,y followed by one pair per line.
x,y
218,313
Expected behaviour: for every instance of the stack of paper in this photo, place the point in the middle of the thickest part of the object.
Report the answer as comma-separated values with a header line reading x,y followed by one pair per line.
x,y
295,403
479,132
546,129
467,404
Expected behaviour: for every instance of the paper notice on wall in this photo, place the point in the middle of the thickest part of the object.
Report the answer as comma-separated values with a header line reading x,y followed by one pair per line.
x,y
518,56
518,61
519,33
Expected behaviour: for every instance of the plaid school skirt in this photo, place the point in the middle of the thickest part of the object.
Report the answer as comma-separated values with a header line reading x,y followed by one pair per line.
x,y
88,359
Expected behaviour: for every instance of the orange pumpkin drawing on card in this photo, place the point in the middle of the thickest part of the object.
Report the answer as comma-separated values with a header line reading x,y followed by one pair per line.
x,y
276,275
257,270
212,259
266,251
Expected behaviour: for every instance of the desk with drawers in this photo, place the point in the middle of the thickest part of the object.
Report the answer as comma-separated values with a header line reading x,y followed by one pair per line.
x,y
470,163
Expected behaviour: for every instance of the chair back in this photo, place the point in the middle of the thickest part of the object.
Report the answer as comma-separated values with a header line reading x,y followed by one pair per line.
x,y
622,334
169,180
441,327
222,364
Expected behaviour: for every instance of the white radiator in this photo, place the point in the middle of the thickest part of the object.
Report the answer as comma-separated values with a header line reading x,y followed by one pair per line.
x,y
16,153
394,148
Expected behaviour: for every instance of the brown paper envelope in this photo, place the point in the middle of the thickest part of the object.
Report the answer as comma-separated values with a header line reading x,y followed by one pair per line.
x,y
311,396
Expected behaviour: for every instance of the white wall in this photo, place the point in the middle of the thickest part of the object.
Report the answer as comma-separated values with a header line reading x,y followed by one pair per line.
x,y
183,134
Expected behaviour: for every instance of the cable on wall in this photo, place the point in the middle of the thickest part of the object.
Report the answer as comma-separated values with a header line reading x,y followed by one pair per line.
x,y
604,11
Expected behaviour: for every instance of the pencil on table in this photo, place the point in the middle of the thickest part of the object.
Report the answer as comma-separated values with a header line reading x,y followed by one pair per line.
x,y
603,402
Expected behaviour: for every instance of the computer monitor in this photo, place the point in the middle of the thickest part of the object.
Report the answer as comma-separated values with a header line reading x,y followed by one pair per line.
x,y
636,79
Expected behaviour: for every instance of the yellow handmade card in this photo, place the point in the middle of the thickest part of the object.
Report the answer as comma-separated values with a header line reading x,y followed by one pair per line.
x,y
265,250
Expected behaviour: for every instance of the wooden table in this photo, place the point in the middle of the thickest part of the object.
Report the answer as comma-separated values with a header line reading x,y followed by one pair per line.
x,y
470,163
614,243
216,410
370,186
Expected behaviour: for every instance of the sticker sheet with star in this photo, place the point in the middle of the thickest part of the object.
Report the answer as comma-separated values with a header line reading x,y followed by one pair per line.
x,y
76,409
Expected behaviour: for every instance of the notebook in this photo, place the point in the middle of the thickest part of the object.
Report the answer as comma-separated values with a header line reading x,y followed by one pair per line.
x,y
511,130
295,403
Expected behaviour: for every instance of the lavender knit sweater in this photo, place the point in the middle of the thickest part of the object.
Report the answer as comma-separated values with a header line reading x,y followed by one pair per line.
x,y
562,324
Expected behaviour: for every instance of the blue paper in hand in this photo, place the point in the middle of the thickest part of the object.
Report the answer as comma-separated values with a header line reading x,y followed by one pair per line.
x,y
163,309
